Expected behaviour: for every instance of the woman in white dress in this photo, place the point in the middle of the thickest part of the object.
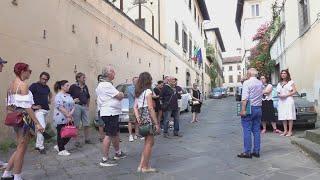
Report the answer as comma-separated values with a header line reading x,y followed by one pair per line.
x,y
286,108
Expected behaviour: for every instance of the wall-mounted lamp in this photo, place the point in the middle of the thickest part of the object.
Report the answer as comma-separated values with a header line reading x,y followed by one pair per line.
x,y
73,28
97,40
75,69
48,62
44,34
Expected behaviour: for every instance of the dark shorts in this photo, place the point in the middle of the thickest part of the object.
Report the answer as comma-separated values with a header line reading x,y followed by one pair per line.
x,y
132,116
111,125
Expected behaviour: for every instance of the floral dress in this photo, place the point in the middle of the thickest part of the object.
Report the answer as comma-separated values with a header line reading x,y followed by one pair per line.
x,y
62,100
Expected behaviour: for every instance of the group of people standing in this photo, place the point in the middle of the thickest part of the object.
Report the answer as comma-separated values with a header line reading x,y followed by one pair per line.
x,y
71,107
71,104
257,94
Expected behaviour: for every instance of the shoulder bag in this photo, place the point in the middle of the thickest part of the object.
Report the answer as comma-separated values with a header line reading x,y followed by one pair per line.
x,y
15,118
146,128
165,105
195,102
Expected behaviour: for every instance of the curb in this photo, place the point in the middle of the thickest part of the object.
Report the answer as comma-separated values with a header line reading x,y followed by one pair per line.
x,y
309,147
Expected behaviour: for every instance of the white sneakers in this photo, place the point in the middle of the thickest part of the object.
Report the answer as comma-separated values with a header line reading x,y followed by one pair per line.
x,y
131,138
56,148
61,153
64,153
135,137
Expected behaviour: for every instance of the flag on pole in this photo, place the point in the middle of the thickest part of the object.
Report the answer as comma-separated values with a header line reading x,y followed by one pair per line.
x,y
195,53
199,56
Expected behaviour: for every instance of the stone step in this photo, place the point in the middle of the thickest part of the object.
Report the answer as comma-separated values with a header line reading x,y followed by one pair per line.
x,y
313,135
311,148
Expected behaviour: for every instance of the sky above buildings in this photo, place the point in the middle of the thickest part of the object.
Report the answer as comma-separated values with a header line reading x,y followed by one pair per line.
x,y
222,15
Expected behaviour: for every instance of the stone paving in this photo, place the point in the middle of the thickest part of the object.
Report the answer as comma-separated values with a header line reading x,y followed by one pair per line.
x,y
206,151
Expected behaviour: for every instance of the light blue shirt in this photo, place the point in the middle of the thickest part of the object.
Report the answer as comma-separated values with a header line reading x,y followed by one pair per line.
x,y
131,95
252,90
62,100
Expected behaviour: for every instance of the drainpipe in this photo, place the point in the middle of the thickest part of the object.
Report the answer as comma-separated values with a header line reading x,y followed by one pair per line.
x,y
121,5
140,10
159,19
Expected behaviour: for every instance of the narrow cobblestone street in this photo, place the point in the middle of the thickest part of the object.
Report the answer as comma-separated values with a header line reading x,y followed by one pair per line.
x,y
206,151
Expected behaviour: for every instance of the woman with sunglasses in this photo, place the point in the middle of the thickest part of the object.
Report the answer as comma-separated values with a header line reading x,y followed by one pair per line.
x,y
20,99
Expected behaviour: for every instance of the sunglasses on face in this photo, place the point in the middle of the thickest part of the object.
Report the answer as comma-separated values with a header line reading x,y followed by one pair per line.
x,y
45,79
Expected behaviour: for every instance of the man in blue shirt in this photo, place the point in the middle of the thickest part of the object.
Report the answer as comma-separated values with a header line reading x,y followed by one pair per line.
x,y
252,91
132,118
42,97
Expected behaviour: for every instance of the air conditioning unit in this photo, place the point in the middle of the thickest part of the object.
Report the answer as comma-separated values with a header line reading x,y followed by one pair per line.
x,y
139,1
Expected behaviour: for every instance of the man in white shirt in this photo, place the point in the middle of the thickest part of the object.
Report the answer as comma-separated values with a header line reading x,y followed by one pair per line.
x,y
109,102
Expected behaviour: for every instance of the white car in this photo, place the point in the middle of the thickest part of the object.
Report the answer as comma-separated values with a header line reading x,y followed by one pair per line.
x,y
183,103
124,117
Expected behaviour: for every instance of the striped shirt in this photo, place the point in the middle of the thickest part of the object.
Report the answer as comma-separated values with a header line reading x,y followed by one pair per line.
x,y
252,90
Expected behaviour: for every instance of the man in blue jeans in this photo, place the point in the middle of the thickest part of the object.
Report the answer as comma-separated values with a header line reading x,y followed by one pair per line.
x,y
252,91
170,107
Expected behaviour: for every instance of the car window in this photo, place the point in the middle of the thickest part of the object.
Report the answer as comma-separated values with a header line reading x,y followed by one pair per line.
x,y
123,88
119,88
274,93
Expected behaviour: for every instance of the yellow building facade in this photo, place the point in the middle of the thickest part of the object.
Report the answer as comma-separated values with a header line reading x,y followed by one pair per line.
x,y
70,36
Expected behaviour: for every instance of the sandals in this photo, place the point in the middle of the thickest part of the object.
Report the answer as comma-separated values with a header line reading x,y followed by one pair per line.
x,y
284,134
149,170
289,135
244,155
263,131
277,131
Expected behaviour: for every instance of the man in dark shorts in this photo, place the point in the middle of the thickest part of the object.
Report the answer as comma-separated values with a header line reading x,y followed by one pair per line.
x,y
156,98
109,102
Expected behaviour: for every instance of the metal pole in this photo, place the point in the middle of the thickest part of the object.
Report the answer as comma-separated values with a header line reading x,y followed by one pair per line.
x,y
159,19
140,10
121,5
153,25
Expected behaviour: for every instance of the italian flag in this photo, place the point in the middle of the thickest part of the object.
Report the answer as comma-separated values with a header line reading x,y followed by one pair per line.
x,y
195,53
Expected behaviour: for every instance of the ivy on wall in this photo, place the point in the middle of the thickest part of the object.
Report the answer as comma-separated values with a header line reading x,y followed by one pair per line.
x,y
260,54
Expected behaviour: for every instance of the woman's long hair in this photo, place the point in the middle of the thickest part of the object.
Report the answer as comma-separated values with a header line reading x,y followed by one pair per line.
x,y
288,75
144,82
59,84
